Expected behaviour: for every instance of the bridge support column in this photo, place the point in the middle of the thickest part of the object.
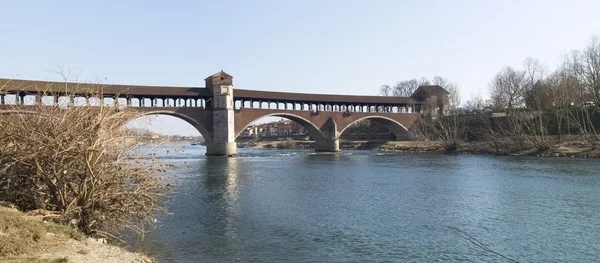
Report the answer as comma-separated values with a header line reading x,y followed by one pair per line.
x,y
331,142
223,142
327,145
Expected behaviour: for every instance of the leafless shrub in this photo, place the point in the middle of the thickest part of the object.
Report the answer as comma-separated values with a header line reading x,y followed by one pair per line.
x,y
582,120
449,131
81,162
484,128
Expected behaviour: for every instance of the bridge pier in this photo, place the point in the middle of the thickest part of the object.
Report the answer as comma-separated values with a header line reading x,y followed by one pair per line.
x,y
327,145
228,149
223,142
331,141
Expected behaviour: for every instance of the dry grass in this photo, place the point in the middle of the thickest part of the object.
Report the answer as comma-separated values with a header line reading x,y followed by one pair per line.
x,y
64,230
84,251
38,260
18,235
21,234
26,238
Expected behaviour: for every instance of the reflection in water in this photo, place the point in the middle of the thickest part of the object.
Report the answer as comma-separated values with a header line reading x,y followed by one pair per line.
x,y
220,180
226,169
326,158
221,176
362,206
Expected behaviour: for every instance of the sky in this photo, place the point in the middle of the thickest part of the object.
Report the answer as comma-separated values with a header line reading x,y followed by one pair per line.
x,y
314,46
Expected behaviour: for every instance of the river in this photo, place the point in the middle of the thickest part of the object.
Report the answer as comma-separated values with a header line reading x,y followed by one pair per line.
x,y
365,206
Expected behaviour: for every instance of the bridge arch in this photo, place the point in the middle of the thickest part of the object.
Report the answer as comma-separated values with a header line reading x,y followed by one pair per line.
x,y
397,128
197,125
310,127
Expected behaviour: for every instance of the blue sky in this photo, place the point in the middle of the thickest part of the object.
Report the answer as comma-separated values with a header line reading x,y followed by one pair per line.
x,y
335,46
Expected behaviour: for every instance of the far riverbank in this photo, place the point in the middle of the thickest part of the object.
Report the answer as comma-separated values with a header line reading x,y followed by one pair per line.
x,y
564,149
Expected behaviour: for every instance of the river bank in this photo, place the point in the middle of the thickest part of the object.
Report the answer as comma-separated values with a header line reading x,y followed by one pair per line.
x,y
27,238
563,149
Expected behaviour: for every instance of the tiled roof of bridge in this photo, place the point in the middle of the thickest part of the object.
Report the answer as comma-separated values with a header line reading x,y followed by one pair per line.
x,y
305,97
106,89
433,89
32,86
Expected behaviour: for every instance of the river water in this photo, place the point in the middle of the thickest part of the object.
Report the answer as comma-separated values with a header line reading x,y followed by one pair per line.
x,y
365,206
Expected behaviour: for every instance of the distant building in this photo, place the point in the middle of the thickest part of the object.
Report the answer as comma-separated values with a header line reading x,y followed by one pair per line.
x,y
279,128
436,99
249,132
298,129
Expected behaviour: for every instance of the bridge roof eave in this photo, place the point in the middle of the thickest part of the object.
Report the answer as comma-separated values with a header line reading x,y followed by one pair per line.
x,y
321,98
35,86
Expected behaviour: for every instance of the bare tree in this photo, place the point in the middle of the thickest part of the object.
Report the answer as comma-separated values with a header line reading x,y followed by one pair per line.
x,y
485,129
405,88
475,102
590,68
507,88
538,96
385,90
583,80
453,100
449,129
534,71
557,95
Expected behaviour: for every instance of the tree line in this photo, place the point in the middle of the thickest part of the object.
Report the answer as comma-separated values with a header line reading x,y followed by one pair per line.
x,y
531,106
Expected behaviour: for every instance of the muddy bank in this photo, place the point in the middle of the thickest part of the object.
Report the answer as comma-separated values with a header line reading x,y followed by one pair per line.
x,y
564,149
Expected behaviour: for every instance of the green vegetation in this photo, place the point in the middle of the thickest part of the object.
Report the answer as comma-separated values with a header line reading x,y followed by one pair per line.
x,y
64,230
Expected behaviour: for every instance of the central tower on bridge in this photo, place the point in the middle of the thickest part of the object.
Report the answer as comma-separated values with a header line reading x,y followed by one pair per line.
x,y
223,133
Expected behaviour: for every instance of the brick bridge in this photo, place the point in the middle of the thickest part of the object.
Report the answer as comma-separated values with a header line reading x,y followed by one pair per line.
x,y
220,114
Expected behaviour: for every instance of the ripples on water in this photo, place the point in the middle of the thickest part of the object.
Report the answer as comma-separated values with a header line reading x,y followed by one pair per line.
x,y
365,206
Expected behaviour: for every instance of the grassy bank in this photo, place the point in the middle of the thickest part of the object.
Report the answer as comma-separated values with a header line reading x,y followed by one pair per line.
x,y
563,149
28,238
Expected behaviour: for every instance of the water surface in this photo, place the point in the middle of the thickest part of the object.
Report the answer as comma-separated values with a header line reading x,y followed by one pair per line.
x,y
364,206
